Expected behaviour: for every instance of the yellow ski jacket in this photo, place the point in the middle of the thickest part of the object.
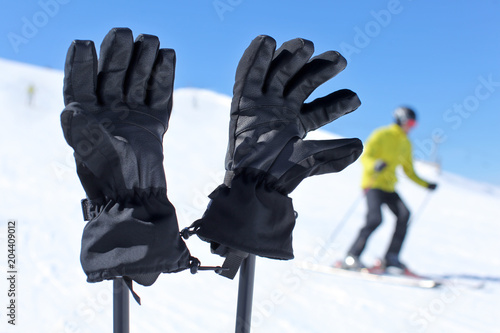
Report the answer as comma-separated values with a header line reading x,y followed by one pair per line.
x,y
391,145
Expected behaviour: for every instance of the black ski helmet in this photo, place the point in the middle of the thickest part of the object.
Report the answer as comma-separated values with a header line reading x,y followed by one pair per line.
x,y
403,114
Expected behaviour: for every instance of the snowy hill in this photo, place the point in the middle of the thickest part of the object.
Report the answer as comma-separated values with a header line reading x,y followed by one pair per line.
x,y
454,232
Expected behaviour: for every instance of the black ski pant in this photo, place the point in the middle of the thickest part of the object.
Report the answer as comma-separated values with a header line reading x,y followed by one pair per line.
x,y
375,198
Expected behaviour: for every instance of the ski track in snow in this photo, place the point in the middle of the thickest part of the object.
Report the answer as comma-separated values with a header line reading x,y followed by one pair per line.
x,y
455,233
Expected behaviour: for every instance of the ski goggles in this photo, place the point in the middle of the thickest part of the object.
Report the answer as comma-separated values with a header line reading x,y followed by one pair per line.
x,y
411,123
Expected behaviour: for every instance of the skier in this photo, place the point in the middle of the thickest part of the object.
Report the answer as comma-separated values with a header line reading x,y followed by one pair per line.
x,y
31,94
385,149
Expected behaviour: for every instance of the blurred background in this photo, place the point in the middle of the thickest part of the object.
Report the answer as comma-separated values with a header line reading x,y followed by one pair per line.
x,y
441,58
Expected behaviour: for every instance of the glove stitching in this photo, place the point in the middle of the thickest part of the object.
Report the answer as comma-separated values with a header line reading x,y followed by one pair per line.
x,y
151,116
304,128
286,121
267,106
72,94
242,94
146,129
249,128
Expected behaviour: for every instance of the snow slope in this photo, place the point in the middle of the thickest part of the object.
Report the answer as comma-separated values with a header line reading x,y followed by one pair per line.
x,y
455,232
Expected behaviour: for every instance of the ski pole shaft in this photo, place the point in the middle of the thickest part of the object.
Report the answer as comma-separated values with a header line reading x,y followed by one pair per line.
x,y
245,295
333,236
345,218
120,307
421,208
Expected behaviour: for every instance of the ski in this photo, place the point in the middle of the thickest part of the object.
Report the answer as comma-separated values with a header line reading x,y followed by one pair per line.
x,y
461,281
412,280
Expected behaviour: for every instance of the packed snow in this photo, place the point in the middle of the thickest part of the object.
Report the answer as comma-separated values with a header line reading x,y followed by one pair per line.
x,y
454,232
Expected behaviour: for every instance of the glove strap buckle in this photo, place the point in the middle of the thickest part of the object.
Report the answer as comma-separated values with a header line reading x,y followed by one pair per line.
x,y
191,230
231,264
195,266
89,209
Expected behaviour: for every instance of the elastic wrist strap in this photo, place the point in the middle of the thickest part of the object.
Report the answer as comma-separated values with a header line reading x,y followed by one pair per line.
x,y
250,217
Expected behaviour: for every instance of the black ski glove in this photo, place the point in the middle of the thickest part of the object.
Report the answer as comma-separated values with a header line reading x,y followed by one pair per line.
x,y
117,111
267,156
379,165
432,186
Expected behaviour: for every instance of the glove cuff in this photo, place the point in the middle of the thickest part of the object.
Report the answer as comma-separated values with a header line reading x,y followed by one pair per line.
x,y
134,237
250,217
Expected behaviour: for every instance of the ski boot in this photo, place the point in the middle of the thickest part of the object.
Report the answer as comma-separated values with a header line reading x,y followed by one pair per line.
x,y
352,263
393,266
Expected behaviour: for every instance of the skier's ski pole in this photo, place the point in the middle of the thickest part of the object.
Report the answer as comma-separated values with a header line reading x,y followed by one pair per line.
x,y
120,306
421,208
333,236
245,295
339,227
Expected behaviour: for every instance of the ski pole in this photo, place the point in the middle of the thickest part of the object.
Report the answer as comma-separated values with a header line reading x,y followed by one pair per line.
x,y
421,208
333,236
120,306
245,295
340,226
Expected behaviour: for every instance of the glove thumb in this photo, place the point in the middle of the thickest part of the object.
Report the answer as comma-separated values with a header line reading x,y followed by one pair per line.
x,y
95,147
311,158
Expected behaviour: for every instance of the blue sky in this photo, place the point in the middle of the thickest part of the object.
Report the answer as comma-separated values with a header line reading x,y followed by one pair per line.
x,y
440,57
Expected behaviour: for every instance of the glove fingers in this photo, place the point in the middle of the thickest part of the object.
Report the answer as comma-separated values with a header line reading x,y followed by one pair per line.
x,y
324,110
115,55
288,60
80,71
159,96
311,158
253,67
143,59
316,72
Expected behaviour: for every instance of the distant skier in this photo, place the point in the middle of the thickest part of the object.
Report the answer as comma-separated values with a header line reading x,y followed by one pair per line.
x,y
31,94
385,149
